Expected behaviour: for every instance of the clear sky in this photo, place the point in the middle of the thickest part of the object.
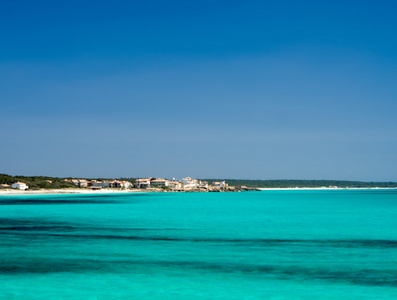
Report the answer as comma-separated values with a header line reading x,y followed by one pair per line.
x,y
220,89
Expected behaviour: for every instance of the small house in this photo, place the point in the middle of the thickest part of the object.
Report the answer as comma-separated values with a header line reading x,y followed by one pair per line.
x,y
19,185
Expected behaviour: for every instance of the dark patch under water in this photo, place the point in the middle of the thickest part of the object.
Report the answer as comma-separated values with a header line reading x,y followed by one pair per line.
x,y
64,230
368,277
48,231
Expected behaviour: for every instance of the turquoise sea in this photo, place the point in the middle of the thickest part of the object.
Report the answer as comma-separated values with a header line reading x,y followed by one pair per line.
x,y
323,244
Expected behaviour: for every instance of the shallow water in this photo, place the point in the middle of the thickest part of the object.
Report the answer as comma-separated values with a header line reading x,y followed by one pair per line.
x,y
338,244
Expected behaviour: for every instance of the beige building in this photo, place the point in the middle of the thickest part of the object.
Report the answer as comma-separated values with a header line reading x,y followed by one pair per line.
x,y
83,183
159,182
142,183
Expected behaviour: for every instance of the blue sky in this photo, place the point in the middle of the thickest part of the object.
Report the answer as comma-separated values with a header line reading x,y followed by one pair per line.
x,y
224,89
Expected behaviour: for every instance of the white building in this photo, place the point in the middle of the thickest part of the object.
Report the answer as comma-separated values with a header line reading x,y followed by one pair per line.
x,y
203,184
79,182
126,184
19,185
219,184
189,182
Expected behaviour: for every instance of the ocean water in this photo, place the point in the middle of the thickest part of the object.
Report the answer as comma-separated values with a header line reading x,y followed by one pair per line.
x,y
327,244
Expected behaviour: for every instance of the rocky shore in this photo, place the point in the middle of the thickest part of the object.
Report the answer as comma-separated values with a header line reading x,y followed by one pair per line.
x,y
219,189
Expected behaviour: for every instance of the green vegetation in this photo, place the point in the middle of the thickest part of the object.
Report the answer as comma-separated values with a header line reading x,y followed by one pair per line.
x,y
303,183
46,182
37,182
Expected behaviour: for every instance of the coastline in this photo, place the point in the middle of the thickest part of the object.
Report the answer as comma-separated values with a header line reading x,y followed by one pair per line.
x,y
326,188
9,192
66,191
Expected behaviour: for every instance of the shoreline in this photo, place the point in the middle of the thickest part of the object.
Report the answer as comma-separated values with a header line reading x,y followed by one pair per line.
x,y
8,192
67,191
326,188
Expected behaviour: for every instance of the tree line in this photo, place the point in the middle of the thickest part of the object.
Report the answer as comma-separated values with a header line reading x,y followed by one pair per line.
x,y
282,183
37,182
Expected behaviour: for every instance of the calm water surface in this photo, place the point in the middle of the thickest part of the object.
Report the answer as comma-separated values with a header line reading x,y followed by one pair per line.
x,y
253,245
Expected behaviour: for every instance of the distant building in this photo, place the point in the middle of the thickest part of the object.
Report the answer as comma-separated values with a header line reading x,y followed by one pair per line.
x,y
19,185
120,184
142,183
203,184
113,184
126,184
5,186
79,182
101,184
189,182
83,183
174,185
96,183
219,184
159,183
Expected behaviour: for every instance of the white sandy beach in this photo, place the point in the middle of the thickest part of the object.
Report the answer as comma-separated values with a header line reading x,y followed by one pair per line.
x,y
67,191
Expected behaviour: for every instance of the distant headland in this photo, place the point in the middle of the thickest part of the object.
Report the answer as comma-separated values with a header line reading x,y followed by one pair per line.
x,y
44,184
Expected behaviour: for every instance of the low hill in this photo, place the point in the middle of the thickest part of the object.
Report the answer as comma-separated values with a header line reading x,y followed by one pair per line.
x,y
304,183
